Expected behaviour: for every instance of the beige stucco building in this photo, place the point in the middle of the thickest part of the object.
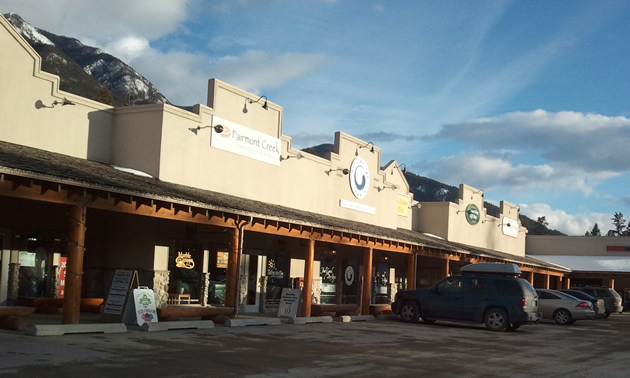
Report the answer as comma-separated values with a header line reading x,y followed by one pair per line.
x,y
215,206
593,260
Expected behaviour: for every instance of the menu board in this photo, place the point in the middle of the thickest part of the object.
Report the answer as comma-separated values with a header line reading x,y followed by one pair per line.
x,y
117,297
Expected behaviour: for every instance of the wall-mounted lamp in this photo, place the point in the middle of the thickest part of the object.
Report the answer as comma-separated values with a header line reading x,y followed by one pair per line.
x,y
39,104
297,156
476,192
461,211
404,170
217,128
507,224
345,171
356,152
264,106
393,187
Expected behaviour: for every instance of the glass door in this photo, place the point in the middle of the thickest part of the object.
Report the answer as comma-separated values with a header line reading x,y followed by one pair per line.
x,y
252,270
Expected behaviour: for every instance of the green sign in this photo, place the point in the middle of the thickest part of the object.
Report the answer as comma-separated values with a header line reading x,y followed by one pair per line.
x,y
472,214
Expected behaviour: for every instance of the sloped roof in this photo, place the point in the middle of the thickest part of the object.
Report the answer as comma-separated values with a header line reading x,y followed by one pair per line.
x,y
607,264
40,164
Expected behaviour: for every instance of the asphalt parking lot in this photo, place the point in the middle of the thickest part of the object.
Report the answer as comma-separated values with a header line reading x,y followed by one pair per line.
x,y
383,347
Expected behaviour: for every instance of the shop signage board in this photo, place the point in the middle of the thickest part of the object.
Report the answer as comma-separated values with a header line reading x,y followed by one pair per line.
x,y
289,303
244,141
117,297
510,227
62,276
140,307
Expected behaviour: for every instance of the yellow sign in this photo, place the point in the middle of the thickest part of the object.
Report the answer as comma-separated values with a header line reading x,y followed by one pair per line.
x,y
184,260
403,206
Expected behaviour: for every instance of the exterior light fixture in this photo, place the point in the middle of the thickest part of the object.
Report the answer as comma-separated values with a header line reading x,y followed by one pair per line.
x,y
297,156
345,171
217,128
475,192
392,187
356,152
264,106
404,170
462,211
39,104
64,102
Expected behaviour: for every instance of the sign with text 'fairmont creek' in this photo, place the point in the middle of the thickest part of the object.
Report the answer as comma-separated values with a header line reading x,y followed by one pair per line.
x,y
244,141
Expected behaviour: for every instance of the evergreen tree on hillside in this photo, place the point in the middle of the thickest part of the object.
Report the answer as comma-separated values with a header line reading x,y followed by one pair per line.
x,y
540,228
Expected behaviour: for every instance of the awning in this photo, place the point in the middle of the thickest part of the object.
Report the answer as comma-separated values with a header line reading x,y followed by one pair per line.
x,y
609,264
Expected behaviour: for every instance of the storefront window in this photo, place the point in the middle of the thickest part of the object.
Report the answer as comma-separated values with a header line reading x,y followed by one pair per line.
x,y
218,272
380,284
327,273
185,265
33,268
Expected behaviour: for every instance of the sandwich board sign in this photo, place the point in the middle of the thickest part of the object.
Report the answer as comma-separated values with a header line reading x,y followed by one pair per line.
x,y
117,297
140,307
289,303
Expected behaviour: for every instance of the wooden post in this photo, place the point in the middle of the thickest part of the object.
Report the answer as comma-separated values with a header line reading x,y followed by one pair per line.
x,y
307,291
367,281
531,278
74,275
567,282
546,281
231,284
411,272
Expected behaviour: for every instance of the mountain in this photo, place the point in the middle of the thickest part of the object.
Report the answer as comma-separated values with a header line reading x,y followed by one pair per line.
x,y
88,71
425,189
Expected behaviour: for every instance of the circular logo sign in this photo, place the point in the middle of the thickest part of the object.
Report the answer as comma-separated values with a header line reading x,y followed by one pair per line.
x,y
349,275
359,178
472,214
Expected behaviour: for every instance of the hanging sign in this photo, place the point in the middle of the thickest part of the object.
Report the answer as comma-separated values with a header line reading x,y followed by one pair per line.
x,y
141,307
62,276
403,206
289,303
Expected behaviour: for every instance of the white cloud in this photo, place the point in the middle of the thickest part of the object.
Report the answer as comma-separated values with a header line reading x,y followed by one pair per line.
x,y
102,22
487,172
570,224
128,48
256,70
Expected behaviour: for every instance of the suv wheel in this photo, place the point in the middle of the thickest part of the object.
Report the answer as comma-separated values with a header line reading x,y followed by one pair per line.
x,y
409,312
496,319
563,317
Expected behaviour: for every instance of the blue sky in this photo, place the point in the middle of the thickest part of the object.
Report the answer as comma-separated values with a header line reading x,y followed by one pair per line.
x,y
527,100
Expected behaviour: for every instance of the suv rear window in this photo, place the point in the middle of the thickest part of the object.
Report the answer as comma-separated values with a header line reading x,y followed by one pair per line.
x,y
602,293
508,287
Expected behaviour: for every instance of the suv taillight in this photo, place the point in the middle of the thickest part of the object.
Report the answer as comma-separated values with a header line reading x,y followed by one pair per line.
x,y
524,301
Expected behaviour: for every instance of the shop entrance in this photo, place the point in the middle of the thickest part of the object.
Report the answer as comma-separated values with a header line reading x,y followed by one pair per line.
x,y
252,272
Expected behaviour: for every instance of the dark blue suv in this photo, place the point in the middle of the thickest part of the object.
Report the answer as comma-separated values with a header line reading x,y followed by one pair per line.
x,y
485,293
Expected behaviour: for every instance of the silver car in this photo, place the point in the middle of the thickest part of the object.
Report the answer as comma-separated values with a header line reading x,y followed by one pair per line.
x,y
562,307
